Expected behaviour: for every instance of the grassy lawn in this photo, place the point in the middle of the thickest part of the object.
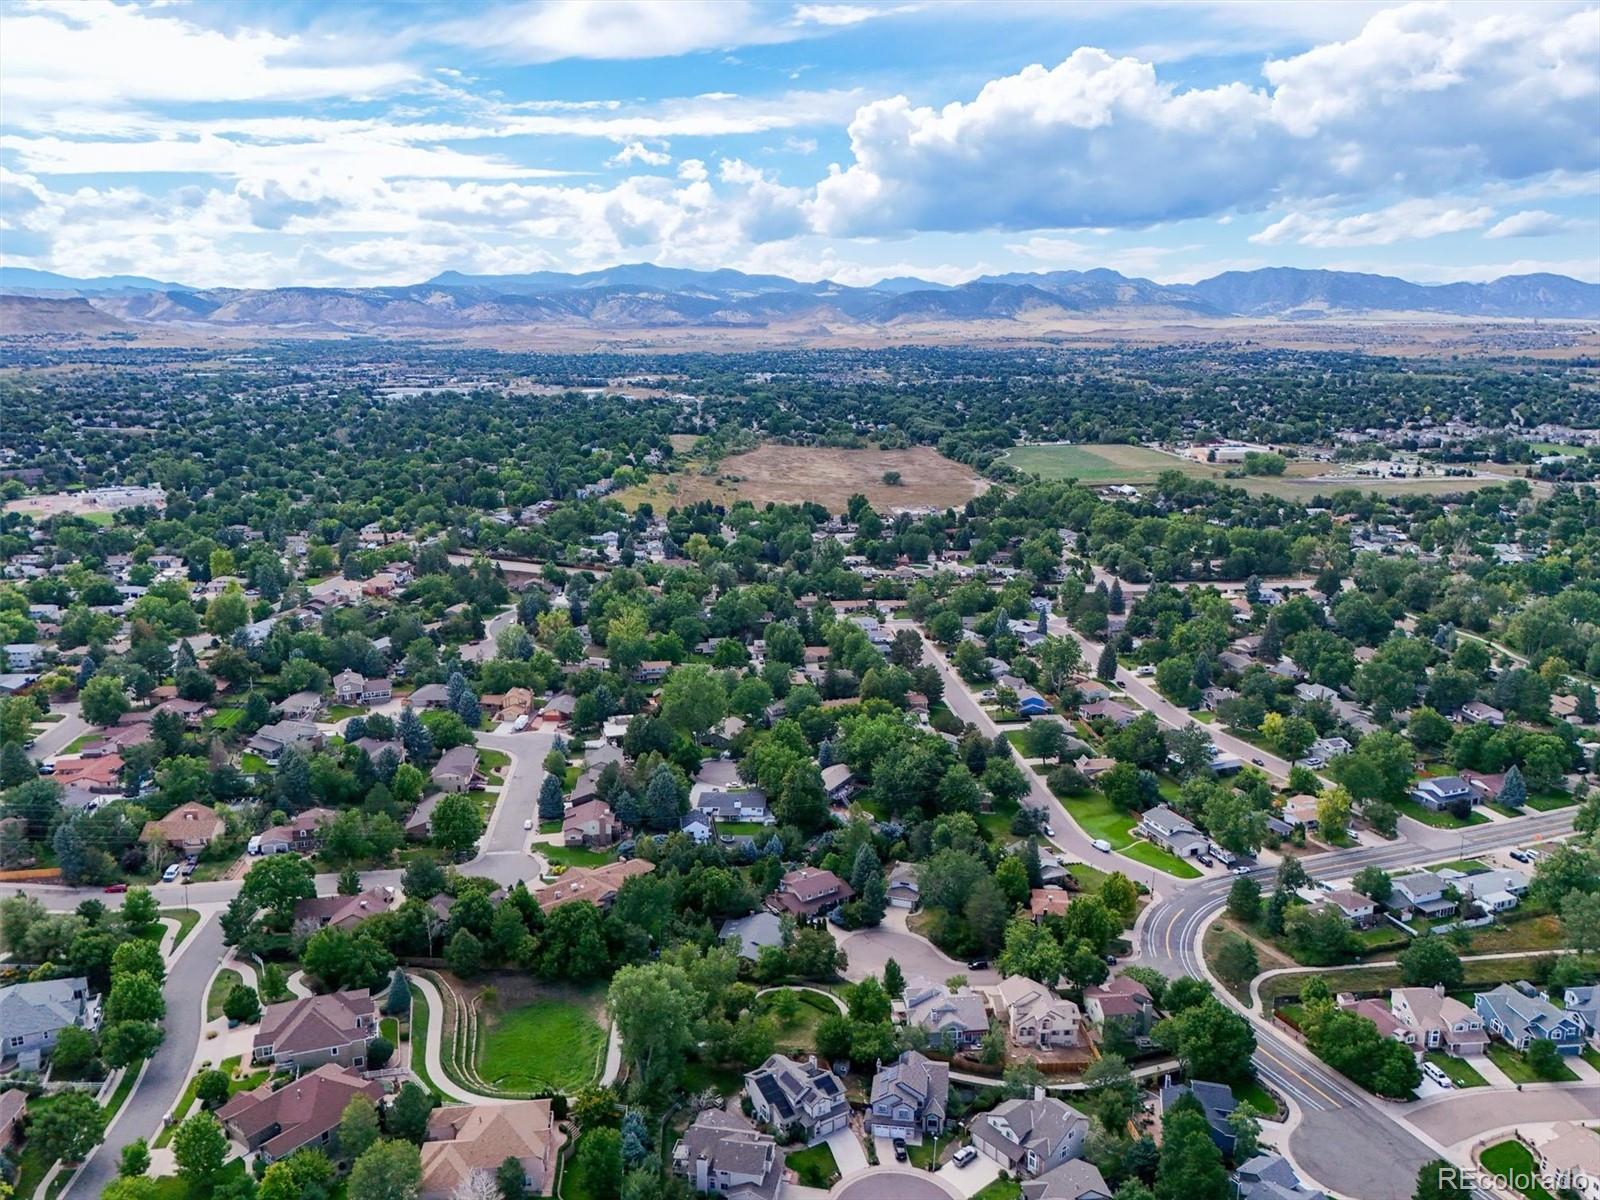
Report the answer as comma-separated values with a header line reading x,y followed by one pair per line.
x,y
31,1167
493,760
575,856
1532,933
999,1189
1090,879
1099,818
550,826
815,1165
339,712
1465,865
797,1037
389,1030
78,743
1461,1072
546,1044
1154,856
1512,1158
743,828
253,764
186,918
170,1187
1547,801
225,718
1439,820
573,1185
997,821
1258,1097
698,1076
227,979
1516,1066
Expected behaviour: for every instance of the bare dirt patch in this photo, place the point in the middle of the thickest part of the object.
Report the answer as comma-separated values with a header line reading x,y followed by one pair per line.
x,y
826,475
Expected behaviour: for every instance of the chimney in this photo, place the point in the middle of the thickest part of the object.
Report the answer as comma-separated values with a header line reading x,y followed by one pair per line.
x,y
1038,1091
1438,989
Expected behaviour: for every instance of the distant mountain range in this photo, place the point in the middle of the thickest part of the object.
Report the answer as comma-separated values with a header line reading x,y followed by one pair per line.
x,y
642,296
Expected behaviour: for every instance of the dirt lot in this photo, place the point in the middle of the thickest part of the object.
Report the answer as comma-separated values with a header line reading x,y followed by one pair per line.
x,y
791,474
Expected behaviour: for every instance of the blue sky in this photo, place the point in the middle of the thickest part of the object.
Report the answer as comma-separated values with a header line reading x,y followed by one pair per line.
x,y
253,144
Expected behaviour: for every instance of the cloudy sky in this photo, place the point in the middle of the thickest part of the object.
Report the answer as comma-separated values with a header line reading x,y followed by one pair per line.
x,y
267,142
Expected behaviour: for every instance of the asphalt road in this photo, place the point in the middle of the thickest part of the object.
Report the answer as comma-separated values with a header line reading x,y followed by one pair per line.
x,y
1347,1140
188,978
58,735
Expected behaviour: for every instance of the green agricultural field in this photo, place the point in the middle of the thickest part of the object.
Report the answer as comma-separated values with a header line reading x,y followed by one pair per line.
x,y
1101,464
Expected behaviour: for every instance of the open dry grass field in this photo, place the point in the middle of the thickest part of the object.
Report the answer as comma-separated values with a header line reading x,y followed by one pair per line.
x,y
826,475
1140,465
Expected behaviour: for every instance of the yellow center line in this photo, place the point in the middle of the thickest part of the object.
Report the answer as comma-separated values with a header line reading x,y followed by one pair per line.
x,y
1286,1068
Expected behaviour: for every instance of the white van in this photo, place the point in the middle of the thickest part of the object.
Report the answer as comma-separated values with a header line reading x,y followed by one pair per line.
x,y
1101,845
254,846
520,723
1432,1071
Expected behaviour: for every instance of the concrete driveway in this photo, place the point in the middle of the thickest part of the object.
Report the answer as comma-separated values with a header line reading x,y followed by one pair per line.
x,y
869,949
848,1152
972,1178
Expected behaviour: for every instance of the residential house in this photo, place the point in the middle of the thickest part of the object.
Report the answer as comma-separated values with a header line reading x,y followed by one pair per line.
x,y
343,912
270,741
32,1015
1211,697
1120,999
467,1141
430,695
1420,892
722,1154
724,733
1358,910
304,1112
808,893
301,833
1216,1099
1270,1177
954,1019
786,1094
187,829
908,1098
1075,1179
702,827
1445,792
652,672
559,709
23,656
1519,1017
1030,703
376,747
1030,1138
13,1107
1584,1003
1439,1021
597,885
1571,1156
1172,832
591,824
301,706
419,825
1048,902
311,1030
754,932
1310,692
1380,1014
456,769
1475,712
102,775
732,804
1328,748
351,687
905,889
1034,1015
839,781
1300,810
1115,711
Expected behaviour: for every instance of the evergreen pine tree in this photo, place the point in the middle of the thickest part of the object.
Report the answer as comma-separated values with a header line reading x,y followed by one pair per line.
x,y
1106,668
551,800
1514,791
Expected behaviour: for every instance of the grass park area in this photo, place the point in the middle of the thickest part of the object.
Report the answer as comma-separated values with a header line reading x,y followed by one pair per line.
x,y
227,979
1516,1067
814,1165
1511,1159
575,856
552,1043
1461,1072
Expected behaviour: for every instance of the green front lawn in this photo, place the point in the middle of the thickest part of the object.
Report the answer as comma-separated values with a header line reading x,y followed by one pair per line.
x,y
815,1166
253,764
1478,976
575,856
551,1043
186,918
1099,818
1465,865
999,1189
1439,820
743,829
250,1079
1514,1160
1460,1071
1548,801
493,760
1259,1098
339,712
1516,1066
1154,856
227,979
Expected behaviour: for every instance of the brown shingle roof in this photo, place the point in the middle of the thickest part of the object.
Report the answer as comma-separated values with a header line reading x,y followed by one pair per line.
x,y
304,1109
317,1022
466,1138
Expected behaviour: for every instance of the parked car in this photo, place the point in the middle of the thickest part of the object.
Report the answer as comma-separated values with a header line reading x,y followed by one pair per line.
x,y
977,964
1146,671
116,888
1047,831
1101,845
1259,762
1521,856
963,1156
170,873
1206,860
520,723
1241,869
1432,1071
528,824
900,1150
